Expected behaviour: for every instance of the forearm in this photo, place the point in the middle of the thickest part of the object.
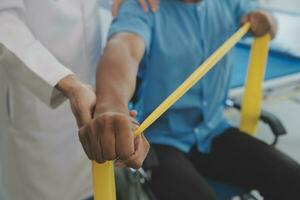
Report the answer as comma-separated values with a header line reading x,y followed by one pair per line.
x,y
116,75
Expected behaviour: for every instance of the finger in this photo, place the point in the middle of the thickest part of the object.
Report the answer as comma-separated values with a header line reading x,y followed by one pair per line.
x,y
141,149
258,27
124,137
144,5
134,126
107,139
95,143
82,112
85,116
115,7
245,19
84,140
76,115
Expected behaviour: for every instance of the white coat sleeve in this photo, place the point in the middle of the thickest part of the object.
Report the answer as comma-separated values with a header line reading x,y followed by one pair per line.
x,y
25,59
105,4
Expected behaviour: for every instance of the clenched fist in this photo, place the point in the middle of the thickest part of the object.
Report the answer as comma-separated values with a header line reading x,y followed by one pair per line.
x,y
261,23
110,136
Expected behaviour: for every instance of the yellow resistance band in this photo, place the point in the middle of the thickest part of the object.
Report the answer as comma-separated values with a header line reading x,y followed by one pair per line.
x,y
104,181
253,88
103,174
194,78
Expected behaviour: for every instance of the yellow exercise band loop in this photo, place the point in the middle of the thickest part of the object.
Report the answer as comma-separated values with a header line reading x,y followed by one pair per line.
x,y
253,88
103,174
104,181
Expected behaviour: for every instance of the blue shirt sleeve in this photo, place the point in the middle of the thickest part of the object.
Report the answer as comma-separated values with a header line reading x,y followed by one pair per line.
x,y
245,6
133,19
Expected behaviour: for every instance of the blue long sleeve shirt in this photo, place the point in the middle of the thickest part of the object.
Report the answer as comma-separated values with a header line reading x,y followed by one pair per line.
x,y
178,38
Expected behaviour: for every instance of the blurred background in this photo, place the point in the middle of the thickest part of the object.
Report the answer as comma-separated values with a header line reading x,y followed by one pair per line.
x,y
282,85
287,5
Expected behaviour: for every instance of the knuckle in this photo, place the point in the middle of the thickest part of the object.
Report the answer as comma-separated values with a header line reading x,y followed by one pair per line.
x,y
100,120
106,117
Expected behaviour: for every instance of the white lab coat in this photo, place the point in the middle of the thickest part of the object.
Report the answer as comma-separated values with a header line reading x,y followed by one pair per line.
x,y
42,41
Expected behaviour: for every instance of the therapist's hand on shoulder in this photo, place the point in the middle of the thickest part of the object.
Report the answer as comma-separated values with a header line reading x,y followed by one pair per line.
x,y
261,23
110,136
144,4
82,98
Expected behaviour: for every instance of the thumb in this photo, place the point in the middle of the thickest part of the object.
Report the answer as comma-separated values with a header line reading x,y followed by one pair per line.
x,y
133,113
85,117
245,19
82,116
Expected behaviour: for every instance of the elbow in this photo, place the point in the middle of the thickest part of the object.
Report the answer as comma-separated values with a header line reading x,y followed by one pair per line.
x,y
130,44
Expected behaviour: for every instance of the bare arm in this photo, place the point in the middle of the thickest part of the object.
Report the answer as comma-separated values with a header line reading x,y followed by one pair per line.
x,y
116,76
110,134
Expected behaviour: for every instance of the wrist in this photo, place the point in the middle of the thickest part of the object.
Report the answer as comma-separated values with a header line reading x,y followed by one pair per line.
x,y
68,84
111,106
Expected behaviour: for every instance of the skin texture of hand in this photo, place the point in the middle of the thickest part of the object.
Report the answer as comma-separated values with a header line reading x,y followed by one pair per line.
x,y
109,136
82,98
144,4
261,23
